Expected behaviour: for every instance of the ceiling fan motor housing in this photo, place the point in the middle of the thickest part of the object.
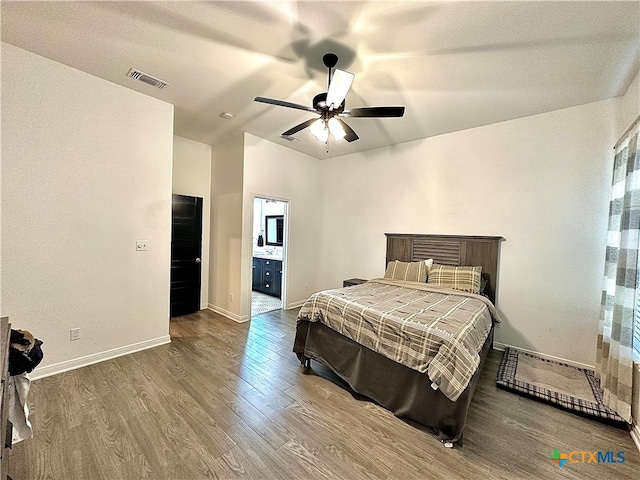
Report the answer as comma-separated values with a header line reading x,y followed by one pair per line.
x,y
320,104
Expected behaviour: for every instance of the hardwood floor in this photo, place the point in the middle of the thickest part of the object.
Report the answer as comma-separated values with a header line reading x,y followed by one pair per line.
x,y
228,400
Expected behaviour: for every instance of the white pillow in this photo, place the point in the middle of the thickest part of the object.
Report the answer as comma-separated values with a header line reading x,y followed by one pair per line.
x,y
429,263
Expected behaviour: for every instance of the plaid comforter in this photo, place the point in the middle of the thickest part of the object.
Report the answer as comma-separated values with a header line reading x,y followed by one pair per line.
x,y
433,330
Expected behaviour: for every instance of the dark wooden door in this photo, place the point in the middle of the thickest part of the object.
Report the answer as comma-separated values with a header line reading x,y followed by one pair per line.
x,y
186,254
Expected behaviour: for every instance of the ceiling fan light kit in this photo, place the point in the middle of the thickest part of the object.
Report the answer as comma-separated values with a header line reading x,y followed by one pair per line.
x,y
336,129
331,105
320,130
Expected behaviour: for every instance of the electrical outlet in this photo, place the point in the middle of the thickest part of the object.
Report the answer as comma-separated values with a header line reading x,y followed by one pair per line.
x,y
306,287
142,245
74,334
231,297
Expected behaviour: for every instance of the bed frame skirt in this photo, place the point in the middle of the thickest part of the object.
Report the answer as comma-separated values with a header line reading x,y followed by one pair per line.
x,y
404,391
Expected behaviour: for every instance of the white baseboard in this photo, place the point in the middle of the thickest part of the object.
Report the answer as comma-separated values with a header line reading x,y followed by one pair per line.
x,y
41,372
293,305
635,435
235,317
502,346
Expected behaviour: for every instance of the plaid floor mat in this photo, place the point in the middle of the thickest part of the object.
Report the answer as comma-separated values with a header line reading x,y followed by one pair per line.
x,y
509,378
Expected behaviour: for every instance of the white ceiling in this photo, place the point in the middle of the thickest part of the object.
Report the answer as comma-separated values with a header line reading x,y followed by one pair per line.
x,y
455,65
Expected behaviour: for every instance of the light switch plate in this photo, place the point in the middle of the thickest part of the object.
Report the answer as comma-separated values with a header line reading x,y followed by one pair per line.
x,y
142,245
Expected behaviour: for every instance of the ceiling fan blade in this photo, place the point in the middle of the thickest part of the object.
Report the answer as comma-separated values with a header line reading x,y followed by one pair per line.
x,y
297,128
350,136
282,103
339,87
379,112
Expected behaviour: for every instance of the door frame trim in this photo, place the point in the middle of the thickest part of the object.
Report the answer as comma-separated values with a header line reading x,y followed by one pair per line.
x,y
285,247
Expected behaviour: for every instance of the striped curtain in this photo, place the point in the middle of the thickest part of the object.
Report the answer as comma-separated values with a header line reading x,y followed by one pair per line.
x,y
614,357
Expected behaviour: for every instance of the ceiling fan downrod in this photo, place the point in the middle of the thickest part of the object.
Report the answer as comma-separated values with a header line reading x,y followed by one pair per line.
x,y
330,60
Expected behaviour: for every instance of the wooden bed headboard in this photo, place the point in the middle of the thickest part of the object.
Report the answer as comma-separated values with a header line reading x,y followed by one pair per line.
x,y
449,250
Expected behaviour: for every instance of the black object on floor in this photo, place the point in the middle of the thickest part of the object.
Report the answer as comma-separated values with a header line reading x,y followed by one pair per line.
x,y
564,386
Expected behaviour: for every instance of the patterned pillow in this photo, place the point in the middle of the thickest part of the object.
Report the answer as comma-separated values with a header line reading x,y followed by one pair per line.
x,y
466,279
410,271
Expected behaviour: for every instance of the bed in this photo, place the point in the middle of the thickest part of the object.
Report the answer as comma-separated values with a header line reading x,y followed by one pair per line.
x,y
381,346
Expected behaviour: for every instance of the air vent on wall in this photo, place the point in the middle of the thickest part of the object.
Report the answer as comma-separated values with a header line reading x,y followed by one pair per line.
x,y
146,78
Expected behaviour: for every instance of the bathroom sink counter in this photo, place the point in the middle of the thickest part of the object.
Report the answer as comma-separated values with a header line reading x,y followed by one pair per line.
x,y
268,256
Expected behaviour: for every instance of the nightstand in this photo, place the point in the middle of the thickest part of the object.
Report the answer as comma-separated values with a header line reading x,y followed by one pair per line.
x,y
353,281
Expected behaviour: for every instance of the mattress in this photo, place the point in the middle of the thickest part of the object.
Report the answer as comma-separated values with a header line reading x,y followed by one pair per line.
x,y
429,329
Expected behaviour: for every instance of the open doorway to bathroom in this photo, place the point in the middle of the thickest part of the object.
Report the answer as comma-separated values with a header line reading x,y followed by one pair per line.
x,y
267,278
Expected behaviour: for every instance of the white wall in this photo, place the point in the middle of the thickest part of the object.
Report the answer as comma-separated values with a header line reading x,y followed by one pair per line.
x,y
541,182
225,270
86,171
629,105
192,176
274,171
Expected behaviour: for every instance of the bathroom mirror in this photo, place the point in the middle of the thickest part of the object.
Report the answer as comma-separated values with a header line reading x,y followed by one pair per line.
x,y
274,229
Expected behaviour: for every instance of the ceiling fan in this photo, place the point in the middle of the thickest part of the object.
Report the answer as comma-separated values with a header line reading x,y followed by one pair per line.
x,y
330,106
